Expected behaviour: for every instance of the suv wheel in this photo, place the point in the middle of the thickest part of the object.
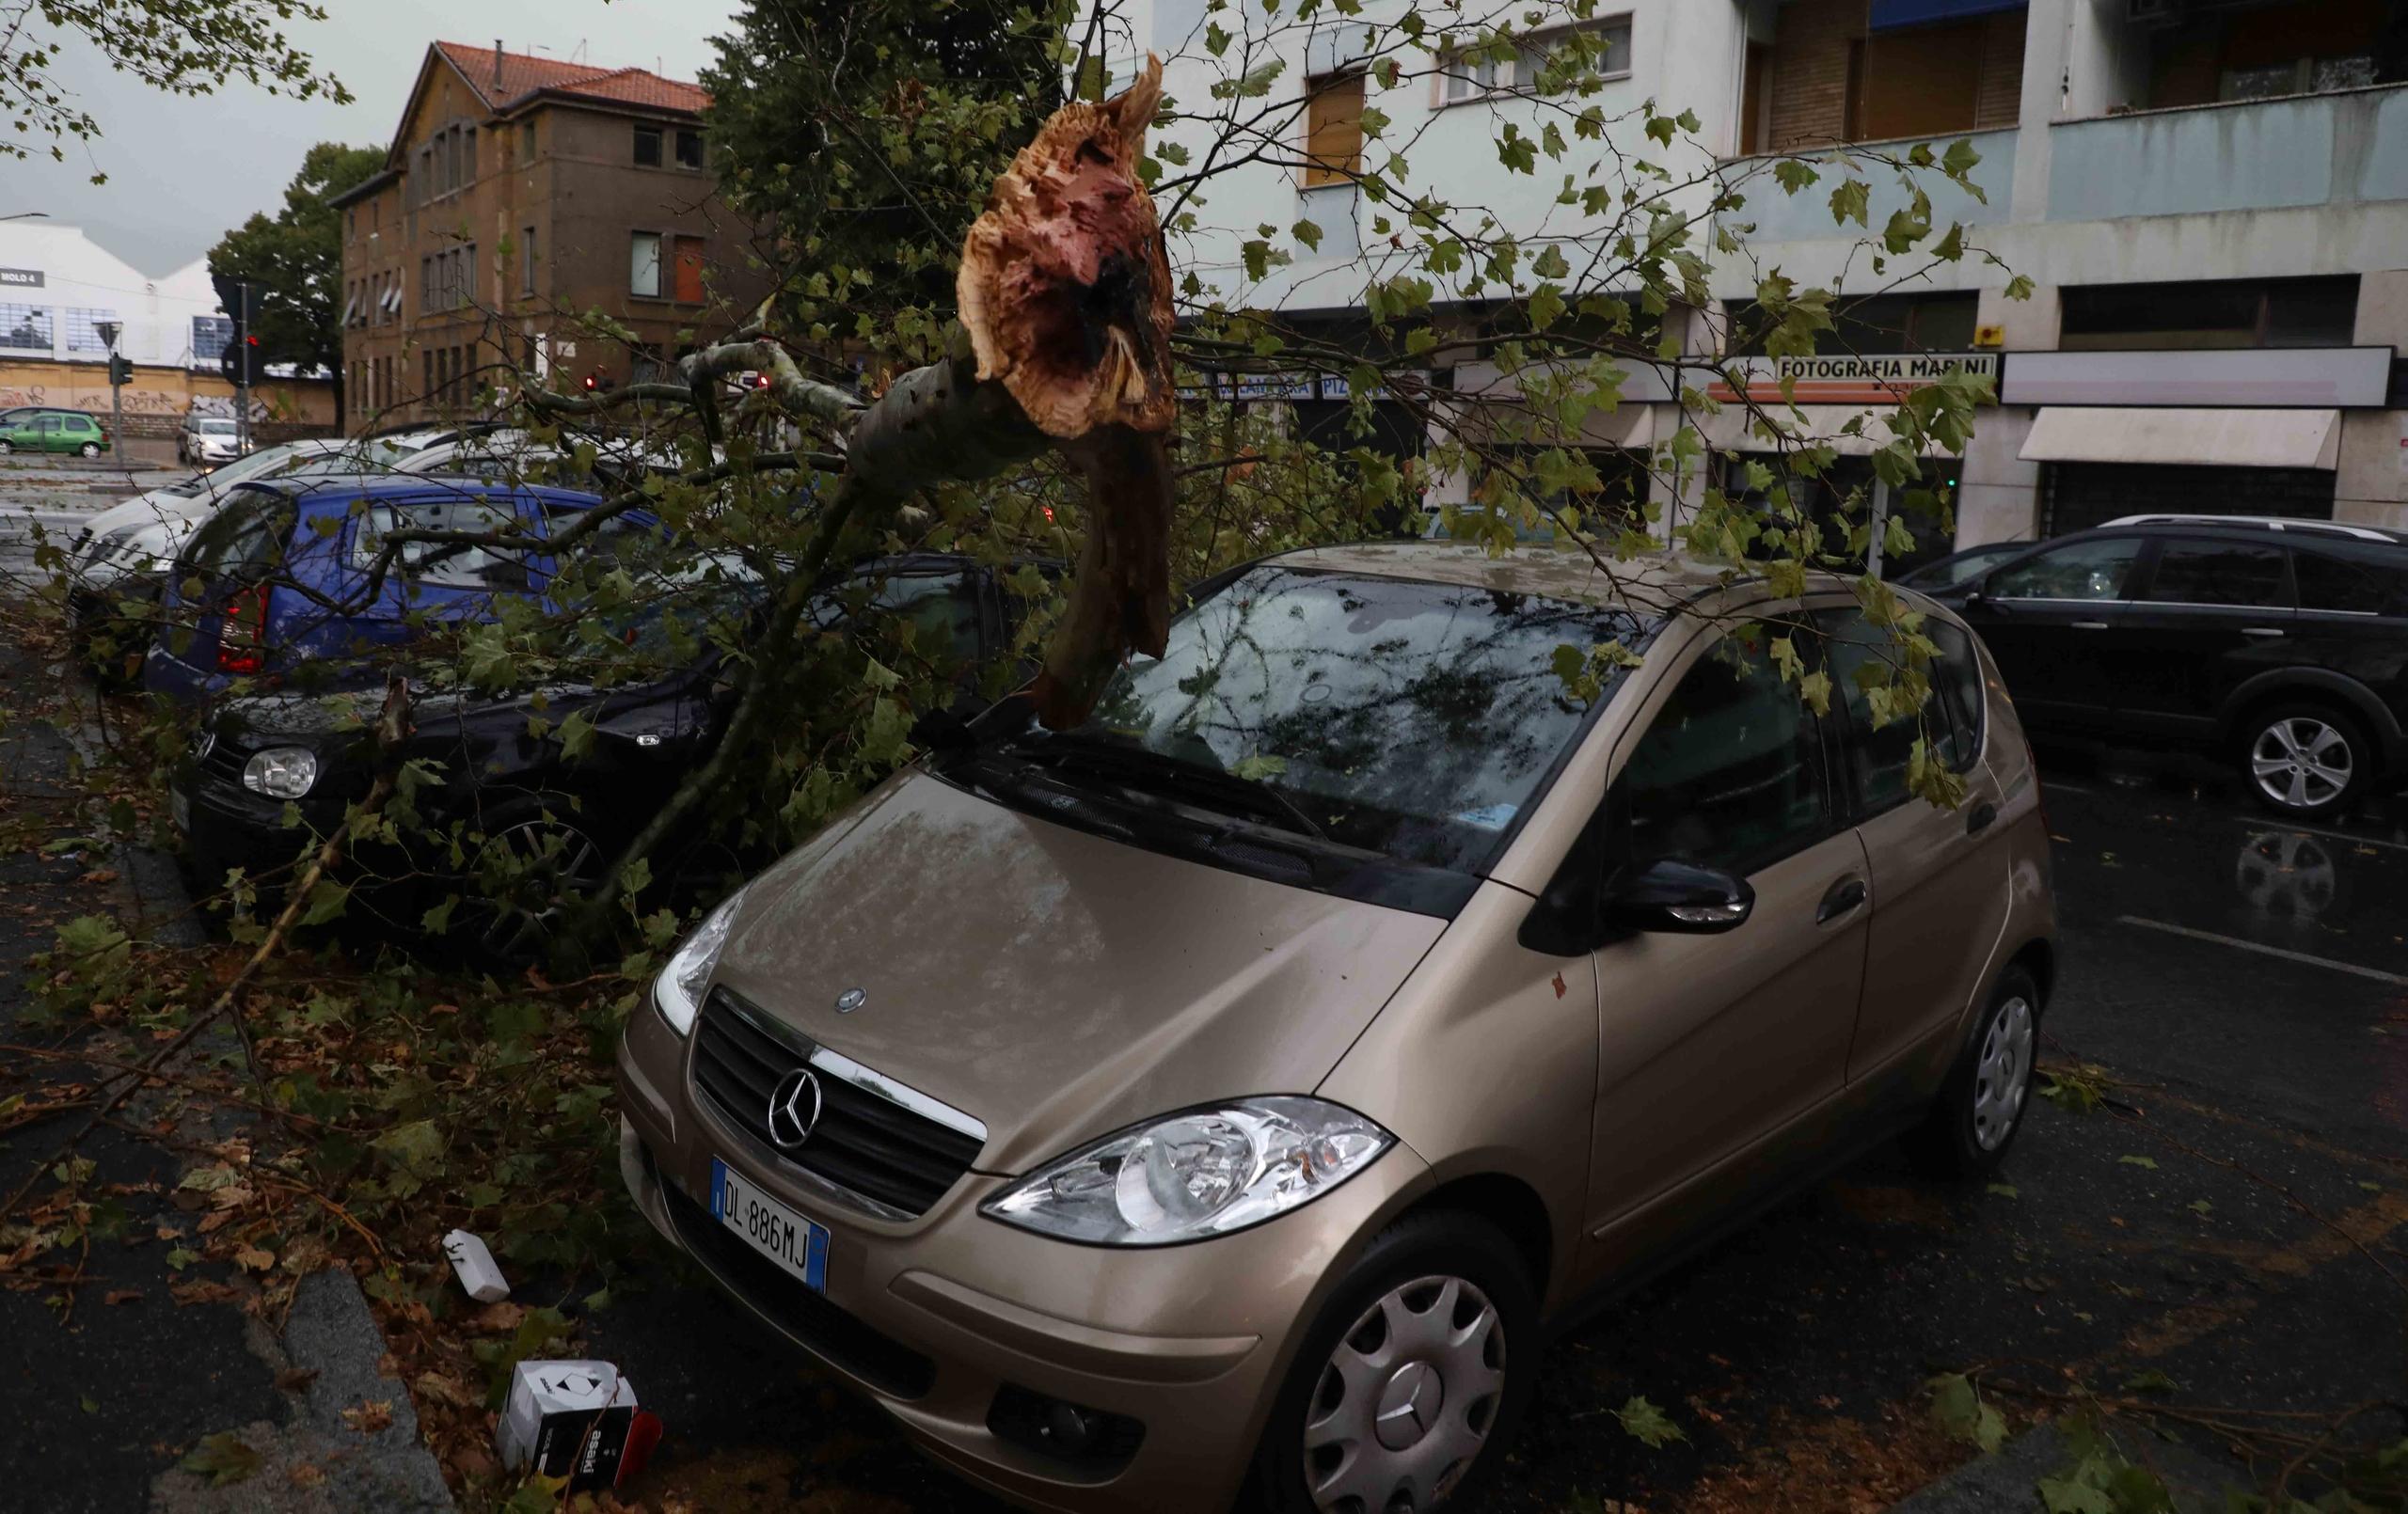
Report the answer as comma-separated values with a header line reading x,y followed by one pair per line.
x,y
1982,1104
1410,1382
2305,760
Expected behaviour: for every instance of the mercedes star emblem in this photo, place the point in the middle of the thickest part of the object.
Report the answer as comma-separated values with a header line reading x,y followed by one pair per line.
x,y
850,1000
794,1109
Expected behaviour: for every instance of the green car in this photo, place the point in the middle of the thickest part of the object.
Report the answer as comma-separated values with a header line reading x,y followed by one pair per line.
x,y
52,431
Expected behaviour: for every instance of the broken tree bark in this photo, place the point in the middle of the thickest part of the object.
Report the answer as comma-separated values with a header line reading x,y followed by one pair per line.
x,y
1065,292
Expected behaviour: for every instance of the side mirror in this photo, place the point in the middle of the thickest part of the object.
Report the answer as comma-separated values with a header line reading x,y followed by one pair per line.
x,y
1679,897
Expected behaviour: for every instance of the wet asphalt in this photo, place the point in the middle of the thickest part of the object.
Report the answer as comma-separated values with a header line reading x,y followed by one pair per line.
x,y
2233,1220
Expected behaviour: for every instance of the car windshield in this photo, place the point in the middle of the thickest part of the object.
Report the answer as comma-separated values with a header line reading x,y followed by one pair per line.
x,y
1399,716
217,428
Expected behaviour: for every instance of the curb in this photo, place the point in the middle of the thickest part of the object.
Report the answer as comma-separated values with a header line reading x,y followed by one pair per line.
x,y
2008,1478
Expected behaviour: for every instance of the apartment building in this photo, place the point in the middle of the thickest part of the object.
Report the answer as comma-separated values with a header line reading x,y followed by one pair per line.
x,y
2210,196
520,194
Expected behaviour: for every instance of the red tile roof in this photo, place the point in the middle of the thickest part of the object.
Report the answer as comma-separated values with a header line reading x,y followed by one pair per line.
x,y
520,75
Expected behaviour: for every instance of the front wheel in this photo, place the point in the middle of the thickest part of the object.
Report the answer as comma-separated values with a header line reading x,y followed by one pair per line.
x,y
2305,761
1409,1384
6,449
1981,1107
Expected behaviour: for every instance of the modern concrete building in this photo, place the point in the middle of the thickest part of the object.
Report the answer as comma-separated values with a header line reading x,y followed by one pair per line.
x,y
522,194
2210,196
58,287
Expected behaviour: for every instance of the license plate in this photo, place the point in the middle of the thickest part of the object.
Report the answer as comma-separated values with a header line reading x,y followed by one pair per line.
x,y
180,809
786,1237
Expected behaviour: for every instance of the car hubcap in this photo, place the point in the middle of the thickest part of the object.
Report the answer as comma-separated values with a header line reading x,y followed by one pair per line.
x,y
1406,1401
2003,1073
542,867
2301,762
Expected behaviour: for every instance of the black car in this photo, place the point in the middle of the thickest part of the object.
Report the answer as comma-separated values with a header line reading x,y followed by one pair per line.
x,y
546,824
1957,567
2281,642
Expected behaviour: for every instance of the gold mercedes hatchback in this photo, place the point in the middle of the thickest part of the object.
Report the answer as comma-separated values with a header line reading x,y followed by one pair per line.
x,y
1215,1105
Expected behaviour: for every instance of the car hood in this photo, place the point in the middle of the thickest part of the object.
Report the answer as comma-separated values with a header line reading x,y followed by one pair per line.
x,y
159,507
1054,984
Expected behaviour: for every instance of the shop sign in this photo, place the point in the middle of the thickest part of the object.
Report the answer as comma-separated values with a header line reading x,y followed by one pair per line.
x,y
1849,378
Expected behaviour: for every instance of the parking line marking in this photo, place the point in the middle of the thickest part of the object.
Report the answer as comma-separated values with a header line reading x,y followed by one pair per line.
x,y
2396,978
2330,835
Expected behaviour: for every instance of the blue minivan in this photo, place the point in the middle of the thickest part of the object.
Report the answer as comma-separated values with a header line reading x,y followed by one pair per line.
x,y
281,572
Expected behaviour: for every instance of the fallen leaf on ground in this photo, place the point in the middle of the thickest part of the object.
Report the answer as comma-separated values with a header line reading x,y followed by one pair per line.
x,y
222,1459
203,1290
294,1378
254,1258
370,1418
121,1295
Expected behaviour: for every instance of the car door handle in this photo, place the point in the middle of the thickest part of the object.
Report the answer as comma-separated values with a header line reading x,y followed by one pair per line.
x,y
1980,817
1843,896
2261,630
2090,626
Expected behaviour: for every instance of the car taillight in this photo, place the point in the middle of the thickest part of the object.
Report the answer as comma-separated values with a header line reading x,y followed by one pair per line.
x,y
243,631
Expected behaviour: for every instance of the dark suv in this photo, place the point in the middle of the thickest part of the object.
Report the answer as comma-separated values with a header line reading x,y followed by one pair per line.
x,y
2282,642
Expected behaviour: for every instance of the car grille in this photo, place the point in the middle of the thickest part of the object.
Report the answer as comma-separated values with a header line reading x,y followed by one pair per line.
x,y
845,1340
225,760
896,1157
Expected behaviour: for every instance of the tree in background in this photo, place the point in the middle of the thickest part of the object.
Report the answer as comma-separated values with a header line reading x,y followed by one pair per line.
x,y
183,47
866,136
294,262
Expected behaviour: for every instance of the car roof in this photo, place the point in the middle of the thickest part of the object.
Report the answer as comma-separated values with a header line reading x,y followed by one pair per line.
x,y
1652,584
2289,525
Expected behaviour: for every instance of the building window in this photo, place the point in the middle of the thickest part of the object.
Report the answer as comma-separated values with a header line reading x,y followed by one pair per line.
x,y
468,156
2204,313
1598,47
1333,129
527,142
2297,48
647,146
82,333
1877,75
1876,324
425,284
426,373
25,327
689,149
351,224
643,264
527,261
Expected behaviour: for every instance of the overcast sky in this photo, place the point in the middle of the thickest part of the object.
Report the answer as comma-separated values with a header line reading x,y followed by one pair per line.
x,y
180,171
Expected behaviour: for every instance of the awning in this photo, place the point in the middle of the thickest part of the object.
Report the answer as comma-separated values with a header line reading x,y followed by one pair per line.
x,y
1732,430
1889,13
2213,438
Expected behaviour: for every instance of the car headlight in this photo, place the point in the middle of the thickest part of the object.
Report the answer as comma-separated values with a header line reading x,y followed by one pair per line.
x,y
1204,1171
281,772
678,990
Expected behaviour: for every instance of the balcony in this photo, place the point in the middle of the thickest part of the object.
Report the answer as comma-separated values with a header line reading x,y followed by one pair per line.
x,y
2342,149
1806,216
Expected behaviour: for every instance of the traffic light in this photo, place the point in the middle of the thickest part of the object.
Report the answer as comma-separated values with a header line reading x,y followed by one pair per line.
x,y
240,362
120,371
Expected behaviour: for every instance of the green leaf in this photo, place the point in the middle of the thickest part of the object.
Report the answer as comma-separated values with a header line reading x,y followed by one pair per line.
x,y
2138,1161
577,735
1307,234
1260,765
1550,263
2075,1495
222,1459
1793,176
1646,1424
2201,1207
326,901
1852,201
2006,1191
2152,1380
1959,1410
89,1403
416,1147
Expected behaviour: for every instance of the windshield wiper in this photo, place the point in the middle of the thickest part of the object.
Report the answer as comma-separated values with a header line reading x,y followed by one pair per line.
x,y
1144,768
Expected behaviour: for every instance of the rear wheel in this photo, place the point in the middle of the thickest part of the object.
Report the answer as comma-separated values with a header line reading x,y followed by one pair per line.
x,y
2305,760
1407,1388
89,450
1982,1104
529,874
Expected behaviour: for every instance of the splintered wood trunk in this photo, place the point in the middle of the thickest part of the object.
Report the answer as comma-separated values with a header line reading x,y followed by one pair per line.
x,y
1065,292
